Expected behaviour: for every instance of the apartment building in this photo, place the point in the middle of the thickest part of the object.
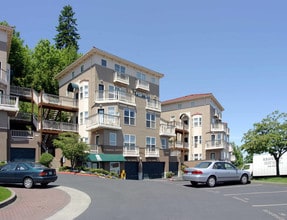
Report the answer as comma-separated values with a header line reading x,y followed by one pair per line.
x,y
8,103
200,132
119,114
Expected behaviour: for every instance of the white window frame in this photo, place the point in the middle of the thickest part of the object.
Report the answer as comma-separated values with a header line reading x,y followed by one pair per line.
x,y
150,120
113,139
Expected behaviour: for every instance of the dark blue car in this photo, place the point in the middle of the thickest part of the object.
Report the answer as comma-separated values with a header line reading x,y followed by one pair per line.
x,y
28,173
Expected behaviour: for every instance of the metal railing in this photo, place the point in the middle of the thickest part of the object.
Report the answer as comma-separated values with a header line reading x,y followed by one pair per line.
x,y
142,84
167,130
22,134
131,151
105,120
152,152
115,96
153,104
10,102
59,126
59,100
122,78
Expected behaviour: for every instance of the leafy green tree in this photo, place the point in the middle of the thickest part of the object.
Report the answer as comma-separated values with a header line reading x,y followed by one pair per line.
x,y
268,136
73,149
238,155
67,36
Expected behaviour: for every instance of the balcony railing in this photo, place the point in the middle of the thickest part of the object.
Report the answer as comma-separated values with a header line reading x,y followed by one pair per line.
x,y
131,151
59,100
153,105
99,121
220,127
21,91
121,78
152,152
216,144
94,148
59,126
106,96
9,103
167,130
23,134
142,85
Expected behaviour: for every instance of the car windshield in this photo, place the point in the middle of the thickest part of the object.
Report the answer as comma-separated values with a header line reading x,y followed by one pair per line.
x,y
203,165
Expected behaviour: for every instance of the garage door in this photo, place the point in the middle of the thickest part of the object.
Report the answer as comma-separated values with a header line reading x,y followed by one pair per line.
x,y
22,154
152,170
131,169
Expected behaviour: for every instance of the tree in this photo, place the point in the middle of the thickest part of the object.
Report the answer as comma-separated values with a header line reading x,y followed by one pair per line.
x,y
238,155
72,148
67,36
268,136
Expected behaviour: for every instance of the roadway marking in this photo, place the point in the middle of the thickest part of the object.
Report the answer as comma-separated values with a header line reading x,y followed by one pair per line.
x,y
273,214
242,200
254,193
270,205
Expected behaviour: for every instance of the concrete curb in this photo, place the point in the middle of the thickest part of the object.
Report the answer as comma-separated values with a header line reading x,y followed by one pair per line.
x,y
10,200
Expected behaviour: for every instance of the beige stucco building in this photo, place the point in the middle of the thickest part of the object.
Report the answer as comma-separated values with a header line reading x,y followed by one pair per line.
x,y
204,135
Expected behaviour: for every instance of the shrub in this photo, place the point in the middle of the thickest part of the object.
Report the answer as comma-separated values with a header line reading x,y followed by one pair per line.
x,y
169,174
46,159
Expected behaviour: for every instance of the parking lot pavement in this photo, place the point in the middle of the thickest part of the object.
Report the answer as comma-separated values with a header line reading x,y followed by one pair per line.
x,y
45,203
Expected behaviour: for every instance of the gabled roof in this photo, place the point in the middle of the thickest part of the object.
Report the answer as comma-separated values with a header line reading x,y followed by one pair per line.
x,y
94,51
192,97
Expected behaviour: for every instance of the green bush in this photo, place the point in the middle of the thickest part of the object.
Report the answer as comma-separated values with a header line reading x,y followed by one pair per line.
x,y
46,159
169,175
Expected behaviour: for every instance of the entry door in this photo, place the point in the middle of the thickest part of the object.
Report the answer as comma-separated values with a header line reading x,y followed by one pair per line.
x,y
101,92
101,113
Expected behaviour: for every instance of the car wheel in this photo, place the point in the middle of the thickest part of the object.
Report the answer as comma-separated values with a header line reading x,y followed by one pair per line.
x,y
28,183
211,181
244,179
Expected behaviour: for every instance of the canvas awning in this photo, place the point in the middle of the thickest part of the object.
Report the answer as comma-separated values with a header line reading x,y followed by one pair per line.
x,y
72,87
106,158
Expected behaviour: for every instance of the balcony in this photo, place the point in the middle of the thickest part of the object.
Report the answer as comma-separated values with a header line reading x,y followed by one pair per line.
x,y
59,100
131,151
216,145
121,79
154,105
152,152
22,134
107,96
94,148
21,92
167,130
142,85
103,121
59,126
219,127
9,104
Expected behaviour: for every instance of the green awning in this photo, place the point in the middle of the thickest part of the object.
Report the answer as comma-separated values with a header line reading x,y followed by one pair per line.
x,y
106,158
72,87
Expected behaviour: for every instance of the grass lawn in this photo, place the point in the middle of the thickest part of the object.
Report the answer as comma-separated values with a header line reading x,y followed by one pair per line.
x,y
272,179
4,193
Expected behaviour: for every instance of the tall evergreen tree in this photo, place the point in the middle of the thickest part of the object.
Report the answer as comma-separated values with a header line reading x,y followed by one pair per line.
x,y
67,30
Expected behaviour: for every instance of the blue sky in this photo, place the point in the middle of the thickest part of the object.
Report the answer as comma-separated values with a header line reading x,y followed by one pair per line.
x,y
236,50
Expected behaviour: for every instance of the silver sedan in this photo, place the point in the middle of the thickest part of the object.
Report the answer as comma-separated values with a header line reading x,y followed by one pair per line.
x,y
213,172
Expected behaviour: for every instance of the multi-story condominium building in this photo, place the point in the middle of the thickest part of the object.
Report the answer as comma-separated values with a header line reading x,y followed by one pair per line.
x,y
119,114
200,132
8,103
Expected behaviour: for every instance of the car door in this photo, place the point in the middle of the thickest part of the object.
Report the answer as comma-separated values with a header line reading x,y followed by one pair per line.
x,y
232,172
7,173
220,172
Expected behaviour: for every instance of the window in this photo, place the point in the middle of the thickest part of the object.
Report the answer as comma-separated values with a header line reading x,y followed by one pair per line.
x,y
195,156
81,92
196,141
150,143
83,117
130,141
150,120
129,116
104,63
119,68
113,139
82,68
73,74
86,91
197,121
141,76
179,106
163,143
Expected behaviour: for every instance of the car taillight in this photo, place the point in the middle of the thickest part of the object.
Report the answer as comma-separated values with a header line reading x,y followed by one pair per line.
x,y
195,172
43,173
185,171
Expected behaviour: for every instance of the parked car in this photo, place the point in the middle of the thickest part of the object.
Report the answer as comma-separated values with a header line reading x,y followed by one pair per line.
x,y
213,172
28,173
